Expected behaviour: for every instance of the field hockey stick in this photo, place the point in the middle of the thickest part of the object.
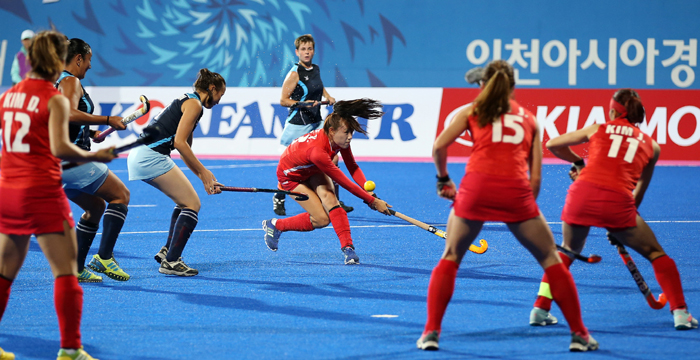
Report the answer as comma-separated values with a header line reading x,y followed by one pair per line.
x,y
150,134
304,104
591,259
473,248
129,118
641,284
298,196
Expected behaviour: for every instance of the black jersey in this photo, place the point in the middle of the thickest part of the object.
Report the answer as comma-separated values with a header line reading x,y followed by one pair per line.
x,y
79,134
168,120
309,87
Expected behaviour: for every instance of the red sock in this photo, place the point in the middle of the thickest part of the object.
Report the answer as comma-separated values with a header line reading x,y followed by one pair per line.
x,y
5,286
442,285
301,222
341,225
670,281
565,294
68,298
544,302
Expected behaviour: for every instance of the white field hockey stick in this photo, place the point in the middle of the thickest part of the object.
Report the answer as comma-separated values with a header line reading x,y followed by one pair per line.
x,y
129,118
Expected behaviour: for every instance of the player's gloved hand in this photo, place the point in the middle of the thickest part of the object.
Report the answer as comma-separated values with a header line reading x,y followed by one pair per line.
x,y
576,169
446,188
381,206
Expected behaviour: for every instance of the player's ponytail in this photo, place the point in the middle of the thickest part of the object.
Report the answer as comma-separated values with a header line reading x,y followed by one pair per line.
x,y
494,99
633,103
47,54
205,78
346,111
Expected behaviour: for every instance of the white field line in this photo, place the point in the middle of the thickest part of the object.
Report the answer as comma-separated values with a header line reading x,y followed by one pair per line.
x,y
185,168
389,226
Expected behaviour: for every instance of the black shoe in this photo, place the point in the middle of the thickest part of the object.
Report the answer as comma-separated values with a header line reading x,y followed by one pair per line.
x,y
346,208
278,206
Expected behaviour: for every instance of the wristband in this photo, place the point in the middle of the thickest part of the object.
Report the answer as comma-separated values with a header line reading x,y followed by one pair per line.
x,y
445,178
580,163
107,120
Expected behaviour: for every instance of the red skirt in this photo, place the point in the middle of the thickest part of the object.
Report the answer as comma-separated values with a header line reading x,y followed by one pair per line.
x,y
590,204
37,210
483,197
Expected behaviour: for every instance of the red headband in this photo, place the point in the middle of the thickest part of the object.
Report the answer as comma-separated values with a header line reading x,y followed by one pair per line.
x,y
618,107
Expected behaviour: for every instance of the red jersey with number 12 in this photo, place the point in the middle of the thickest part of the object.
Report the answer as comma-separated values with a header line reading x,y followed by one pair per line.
x,y
618,153
503,147
27,160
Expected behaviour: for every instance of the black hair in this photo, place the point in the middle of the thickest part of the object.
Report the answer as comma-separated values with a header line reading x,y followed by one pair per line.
x,y
77,47
206,78
347,111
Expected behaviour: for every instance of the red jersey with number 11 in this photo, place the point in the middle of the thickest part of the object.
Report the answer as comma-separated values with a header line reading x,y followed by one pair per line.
x,y
618,153
27,160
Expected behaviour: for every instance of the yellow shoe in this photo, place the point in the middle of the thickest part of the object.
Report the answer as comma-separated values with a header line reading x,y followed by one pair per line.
x,y
89,277
4,355
109,267
79,354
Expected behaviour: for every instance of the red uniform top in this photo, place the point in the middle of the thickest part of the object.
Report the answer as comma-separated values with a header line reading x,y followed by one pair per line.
x,y
313,153
26,153
618,153
503,147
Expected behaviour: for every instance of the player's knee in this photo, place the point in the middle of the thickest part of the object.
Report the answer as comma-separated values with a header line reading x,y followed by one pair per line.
x,y
320,221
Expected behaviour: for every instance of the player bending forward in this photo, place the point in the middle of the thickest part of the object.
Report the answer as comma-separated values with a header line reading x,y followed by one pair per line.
x,y
306,166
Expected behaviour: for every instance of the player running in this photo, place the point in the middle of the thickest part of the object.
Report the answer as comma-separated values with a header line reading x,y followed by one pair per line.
x,y
306,166
607,194
496,187
35,134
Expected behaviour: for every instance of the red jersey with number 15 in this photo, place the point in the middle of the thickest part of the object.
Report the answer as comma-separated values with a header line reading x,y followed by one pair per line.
x,y
618,153
503,147
27,160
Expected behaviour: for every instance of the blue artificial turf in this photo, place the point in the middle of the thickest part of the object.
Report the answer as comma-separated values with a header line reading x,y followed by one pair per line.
x,y
301,302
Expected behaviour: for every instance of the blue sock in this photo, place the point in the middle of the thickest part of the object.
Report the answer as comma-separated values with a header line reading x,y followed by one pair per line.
x,y
112,223
173,219
184,226
85,233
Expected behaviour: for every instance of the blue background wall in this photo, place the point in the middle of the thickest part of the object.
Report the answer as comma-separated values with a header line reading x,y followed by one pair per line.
x,y
396,43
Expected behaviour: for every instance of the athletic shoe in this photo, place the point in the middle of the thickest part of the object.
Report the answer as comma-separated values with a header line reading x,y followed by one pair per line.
x,y
178,268
87,276
541,317
4,355
278,206
108,267
350,256
272,235
346,208
682,320
79,354
581,343
428,341
161,255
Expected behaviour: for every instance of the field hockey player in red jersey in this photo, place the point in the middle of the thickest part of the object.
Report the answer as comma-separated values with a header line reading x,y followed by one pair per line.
x,y
35,134
607,192
306,166
497,187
